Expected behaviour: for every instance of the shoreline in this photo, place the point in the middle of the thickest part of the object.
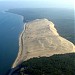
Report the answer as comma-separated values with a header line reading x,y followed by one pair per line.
x,y
20,40
20,48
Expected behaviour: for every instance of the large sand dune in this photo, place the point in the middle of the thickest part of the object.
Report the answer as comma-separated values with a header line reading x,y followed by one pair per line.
x,y
40,38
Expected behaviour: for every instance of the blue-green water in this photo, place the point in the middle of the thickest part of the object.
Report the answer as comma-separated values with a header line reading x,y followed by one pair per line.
x,y
11,26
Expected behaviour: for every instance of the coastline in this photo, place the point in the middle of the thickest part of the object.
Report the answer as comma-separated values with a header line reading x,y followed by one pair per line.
x,y
20,40
20,48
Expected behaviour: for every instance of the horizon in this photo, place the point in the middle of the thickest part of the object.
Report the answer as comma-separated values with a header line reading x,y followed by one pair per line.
x,y
7,4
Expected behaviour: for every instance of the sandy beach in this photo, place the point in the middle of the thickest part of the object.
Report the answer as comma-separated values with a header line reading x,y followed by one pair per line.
x,y
20,48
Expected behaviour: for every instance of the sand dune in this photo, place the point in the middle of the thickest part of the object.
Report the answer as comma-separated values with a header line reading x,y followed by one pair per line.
x,y
40,38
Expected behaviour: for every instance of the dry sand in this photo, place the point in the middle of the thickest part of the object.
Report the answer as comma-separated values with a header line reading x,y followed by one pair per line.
x,y
40,38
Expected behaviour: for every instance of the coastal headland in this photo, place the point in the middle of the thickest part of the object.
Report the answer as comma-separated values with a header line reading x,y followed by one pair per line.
x,y
40,38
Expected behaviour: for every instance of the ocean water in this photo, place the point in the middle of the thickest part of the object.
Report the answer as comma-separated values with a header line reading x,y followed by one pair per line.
x,y
11,25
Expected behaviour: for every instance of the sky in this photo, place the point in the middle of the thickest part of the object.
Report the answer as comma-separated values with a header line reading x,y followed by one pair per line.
x,y
36,4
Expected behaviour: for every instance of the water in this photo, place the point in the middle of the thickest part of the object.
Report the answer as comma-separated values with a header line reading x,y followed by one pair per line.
x,y
11,26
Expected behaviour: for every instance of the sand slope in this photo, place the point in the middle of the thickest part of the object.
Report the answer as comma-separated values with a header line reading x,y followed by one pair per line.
x,y
40,38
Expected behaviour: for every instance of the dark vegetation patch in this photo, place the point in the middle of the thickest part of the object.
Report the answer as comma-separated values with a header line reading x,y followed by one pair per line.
x,y
62,64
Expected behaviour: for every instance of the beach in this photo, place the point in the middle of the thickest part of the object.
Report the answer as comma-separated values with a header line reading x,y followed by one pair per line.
x,y
20,48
